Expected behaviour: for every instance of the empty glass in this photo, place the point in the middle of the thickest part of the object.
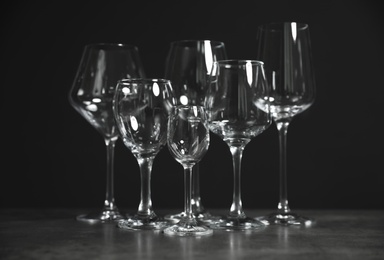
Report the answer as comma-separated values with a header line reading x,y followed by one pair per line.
x,y
188,141
285,49
101,66
141,108
188,65
232,103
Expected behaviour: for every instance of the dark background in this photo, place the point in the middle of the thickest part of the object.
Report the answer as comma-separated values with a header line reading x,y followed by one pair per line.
x,y
51,157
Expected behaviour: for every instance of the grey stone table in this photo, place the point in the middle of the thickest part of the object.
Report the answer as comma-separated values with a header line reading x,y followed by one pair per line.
x,y
55,234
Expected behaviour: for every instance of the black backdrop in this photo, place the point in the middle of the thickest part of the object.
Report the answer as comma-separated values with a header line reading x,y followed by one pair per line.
x,y
51,157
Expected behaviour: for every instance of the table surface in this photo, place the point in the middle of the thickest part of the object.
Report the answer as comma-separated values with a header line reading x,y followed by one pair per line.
x,y
55,234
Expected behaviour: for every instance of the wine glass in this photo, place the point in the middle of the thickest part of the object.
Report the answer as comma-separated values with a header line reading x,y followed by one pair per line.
x,y
188,65
188,141
285,49
101,66
232,104
141,107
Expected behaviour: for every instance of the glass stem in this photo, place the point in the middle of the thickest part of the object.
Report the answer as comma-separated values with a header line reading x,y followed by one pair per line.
x,y
109,203
145,207
236,210
282,127
197,207
188,192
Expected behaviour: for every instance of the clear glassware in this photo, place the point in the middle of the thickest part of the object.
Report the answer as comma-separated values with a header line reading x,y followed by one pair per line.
x,y
188,141
141,108
101,66
285,49
236,89
188,65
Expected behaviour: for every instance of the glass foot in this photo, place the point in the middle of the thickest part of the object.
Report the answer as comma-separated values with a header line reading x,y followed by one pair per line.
x,y
237,223
102,216
287,219
142,223
204,217
188,228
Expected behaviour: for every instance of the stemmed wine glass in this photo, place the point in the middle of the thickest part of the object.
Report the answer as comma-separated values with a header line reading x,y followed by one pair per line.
x,y
188,141
285,49
101,66
188,65
141,108
236,89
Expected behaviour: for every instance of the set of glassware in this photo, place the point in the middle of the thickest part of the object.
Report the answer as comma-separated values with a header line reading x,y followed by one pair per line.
x,y
202,91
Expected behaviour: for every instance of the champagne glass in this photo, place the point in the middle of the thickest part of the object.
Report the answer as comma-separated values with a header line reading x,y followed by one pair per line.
x,y
188,141
285,49
141,107
232,103
101,66
188,65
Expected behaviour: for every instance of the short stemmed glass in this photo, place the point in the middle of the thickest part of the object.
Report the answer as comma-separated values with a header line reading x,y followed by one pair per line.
x,y
235,90
141,108
188,65
101,66
285,49
188,141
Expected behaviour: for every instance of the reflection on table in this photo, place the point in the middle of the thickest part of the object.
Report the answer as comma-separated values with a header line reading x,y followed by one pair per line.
x,y
54,233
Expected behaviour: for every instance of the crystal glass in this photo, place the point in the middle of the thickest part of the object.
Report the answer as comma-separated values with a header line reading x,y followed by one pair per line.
x,y
188,65
141,108
188,141
101,66
285,49
236,89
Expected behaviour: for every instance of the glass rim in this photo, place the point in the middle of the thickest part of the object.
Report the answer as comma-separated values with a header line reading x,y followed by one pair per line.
x,y
101,45
278,26
180,42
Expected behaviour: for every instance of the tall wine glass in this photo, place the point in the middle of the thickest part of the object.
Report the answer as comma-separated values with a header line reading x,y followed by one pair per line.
x,y
141,108
188,65
188,141
101,66
285,49
235,90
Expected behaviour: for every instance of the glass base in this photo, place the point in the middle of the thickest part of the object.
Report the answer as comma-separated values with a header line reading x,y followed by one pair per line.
x,y
287,219
187,228
204,217
142,223
102,216
237,223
